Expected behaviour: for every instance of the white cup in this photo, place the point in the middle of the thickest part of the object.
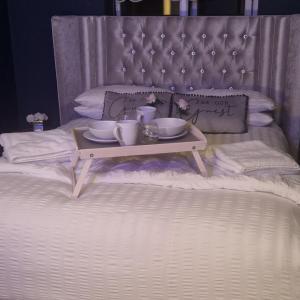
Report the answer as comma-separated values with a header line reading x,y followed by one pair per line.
x,y
126,132
145,114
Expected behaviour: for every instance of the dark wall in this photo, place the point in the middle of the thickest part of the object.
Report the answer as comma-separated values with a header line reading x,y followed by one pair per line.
x,y
9,107
279,7
220,7
144,8
30,25
206,7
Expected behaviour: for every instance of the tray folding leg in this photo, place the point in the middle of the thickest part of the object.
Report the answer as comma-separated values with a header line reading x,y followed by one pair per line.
x,y
199,163
74,161
82,175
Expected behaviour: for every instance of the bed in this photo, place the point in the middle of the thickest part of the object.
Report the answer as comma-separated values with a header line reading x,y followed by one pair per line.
x,y
167,236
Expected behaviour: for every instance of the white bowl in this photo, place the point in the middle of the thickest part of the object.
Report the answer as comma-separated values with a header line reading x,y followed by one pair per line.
x,y
103,129
170,126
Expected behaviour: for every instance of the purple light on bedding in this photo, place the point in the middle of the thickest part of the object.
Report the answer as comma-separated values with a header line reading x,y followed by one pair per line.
x,y
160,163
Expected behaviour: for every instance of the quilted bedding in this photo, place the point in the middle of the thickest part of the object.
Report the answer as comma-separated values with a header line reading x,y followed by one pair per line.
x,y
133,241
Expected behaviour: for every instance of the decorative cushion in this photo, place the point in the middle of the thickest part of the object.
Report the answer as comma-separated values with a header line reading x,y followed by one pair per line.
x,y
258,102
118,106
213,114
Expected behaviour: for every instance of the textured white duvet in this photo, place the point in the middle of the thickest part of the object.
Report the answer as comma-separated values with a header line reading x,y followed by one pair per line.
x,y
145,241
122,241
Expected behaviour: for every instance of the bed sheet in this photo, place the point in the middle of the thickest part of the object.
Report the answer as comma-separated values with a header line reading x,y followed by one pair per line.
x,y
132,241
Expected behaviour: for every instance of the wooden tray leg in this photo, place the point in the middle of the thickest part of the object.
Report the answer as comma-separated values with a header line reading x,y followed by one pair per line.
x,y
74,161
81,178
199,163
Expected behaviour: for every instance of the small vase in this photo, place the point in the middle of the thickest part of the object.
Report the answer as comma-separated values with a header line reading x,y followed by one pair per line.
x,y
38,126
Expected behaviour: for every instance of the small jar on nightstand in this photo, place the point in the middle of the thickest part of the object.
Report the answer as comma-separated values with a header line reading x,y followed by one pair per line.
x,y
38,126
37,120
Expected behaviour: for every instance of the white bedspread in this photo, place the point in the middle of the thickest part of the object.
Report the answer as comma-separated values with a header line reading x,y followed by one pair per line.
x,y
174,235
126,241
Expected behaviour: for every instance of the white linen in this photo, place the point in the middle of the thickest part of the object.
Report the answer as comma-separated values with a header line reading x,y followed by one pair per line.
x,y
272,185
35,146
89,111
250,156
259,119
132,242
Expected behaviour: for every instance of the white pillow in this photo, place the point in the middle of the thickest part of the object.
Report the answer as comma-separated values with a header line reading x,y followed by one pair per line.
x,y
258,102
259,119
95,97
93,112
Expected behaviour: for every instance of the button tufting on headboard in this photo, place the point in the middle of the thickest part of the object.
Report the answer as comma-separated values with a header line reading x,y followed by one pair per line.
x,y
152,52
188,44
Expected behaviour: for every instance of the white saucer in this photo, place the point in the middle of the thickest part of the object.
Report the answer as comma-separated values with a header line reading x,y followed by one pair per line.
x,y
92,138
174,136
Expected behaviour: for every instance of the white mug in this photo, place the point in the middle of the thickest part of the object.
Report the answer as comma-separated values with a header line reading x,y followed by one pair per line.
x,y
126,132
145,114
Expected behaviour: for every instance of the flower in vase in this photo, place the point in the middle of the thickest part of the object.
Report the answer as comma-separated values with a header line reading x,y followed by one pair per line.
x,y
37,117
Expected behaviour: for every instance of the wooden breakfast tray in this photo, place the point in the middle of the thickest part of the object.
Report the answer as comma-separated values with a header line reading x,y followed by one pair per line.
x,y
88,150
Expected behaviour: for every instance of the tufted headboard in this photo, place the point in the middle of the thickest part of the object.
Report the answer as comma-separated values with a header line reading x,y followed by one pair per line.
x,y
182,53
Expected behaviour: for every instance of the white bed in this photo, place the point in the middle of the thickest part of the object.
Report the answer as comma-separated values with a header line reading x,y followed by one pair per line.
x,y
147,233
145,241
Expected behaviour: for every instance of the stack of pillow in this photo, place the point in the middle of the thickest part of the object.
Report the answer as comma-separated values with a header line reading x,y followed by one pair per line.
x,y
258,109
